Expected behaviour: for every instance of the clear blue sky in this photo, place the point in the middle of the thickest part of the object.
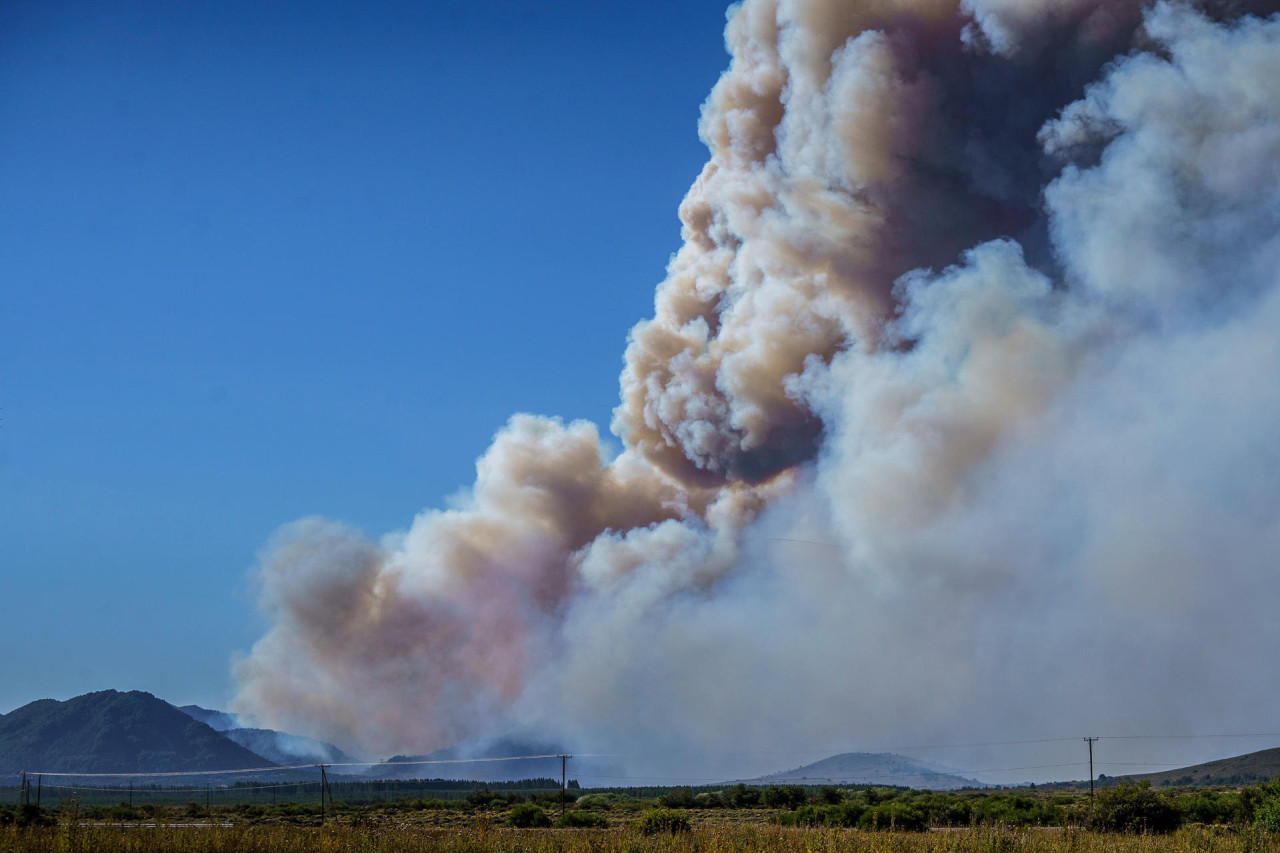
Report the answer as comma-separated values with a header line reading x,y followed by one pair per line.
x,y
269,260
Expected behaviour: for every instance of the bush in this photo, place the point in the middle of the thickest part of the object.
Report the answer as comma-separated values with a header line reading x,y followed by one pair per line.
x,y
1134,808
785,797
845,814
482,798
680,798
708,800
29,814
903,817
601,802
581,820
528,816
742,797
663,820
1265,801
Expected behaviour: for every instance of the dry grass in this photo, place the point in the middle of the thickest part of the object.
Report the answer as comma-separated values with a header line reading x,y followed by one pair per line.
x,y
483,838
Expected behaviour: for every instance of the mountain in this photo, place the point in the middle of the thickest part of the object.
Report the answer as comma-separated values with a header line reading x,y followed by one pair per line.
x,y
278,747
477,764
1239,770
114,732
871,768
219,721
286,749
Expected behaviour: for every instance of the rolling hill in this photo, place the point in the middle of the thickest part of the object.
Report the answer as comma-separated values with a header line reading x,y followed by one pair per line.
x,y
278,747
870,768
1238,770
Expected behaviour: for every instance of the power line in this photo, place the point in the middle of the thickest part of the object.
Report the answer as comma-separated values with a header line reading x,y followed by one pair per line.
x,y
743,753
277,768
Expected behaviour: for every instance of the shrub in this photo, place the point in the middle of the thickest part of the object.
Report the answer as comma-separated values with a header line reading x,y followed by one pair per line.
x,y
528,816
29,814
785,797
1266,806
831,796
742,797
845,814
663,820
904,817
482,798
602,802
581,820
680,798
1134,808
708,800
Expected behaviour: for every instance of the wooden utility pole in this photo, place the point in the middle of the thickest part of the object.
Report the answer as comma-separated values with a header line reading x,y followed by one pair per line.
x,y
22,789
324,788
564,760
1090,740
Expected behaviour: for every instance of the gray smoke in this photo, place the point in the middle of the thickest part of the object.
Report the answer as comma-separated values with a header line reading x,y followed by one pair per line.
x,y
983,294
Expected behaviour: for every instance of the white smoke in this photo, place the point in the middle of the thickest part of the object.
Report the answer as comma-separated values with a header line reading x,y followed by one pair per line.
x,y
1007,342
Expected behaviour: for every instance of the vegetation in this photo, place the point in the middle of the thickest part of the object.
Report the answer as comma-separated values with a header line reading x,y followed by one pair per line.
x,y
1266,806
481,838
1140,809
581,820
663,821
528,816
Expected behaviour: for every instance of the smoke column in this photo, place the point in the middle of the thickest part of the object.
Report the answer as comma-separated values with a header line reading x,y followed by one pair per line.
x,y
983,293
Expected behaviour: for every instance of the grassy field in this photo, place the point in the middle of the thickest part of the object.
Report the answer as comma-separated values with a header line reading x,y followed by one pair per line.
x,y
737,819
484,838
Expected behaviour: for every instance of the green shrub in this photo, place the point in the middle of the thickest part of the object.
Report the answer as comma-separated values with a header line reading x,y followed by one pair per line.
x,y
600,802
1134,808
742,797
903,817
680,798
785,797
581,820
845,814
1266,806
663,820
528,816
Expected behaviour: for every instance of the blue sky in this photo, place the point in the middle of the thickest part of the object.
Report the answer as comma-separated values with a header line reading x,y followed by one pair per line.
x,y
270,260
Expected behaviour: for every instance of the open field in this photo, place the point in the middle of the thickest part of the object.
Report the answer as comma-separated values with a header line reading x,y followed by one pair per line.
x,y
482,838
738,819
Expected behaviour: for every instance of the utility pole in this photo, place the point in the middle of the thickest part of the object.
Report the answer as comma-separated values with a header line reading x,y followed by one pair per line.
x,y
1090,740
39,784
324,786
564,760
130,794
22,789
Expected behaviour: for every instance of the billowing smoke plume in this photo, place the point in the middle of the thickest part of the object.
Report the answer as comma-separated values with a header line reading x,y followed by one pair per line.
x,y
983,293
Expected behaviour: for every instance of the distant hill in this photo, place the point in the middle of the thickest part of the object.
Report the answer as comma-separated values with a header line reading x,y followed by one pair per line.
x,y
286,749
1240,770
219,721
476,764
114,732
871,768
278,747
